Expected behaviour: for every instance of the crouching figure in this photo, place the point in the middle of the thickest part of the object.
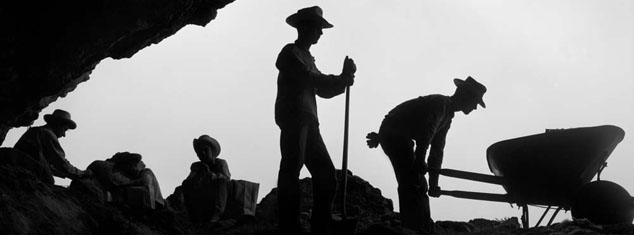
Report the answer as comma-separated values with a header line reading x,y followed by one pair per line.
x,y
128,182
205,189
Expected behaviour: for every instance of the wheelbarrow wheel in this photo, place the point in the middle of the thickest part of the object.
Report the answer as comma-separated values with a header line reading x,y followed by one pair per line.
x,y
603,202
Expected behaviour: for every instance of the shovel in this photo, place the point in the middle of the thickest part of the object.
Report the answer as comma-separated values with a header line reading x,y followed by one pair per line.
x,y
347,225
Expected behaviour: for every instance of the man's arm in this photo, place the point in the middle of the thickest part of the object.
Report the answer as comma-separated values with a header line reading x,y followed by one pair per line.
x,y
302,67
436,154
347,75
425,132
56,157
224,169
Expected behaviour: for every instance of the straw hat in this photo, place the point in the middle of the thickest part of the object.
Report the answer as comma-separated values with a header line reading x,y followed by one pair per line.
x,y
309,14
474,86
60,116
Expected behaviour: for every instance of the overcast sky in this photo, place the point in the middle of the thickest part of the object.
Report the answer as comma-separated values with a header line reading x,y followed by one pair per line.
x,y
546,64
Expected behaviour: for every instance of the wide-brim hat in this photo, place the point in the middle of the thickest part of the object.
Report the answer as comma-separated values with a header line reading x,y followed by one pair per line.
x,y
474,87
125,158
213,143
310,14
60,116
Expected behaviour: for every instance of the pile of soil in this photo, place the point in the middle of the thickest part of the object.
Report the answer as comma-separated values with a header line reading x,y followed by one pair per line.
x,y
30,206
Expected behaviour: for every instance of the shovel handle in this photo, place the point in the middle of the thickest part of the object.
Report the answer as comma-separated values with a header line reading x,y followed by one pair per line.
x,y
344,164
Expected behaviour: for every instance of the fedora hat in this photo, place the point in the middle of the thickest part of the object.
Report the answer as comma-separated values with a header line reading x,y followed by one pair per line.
x,y
309,14
60,116
211,142
473,86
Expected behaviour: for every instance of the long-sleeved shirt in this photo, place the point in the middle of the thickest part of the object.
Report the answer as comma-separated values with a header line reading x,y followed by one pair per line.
x,y
42,145
298,82
426,120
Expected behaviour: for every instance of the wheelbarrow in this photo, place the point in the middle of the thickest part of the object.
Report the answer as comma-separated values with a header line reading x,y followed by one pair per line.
x,y
555,169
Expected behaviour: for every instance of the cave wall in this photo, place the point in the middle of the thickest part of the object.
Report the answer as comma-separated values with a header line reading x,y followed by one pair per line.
x,y
48,47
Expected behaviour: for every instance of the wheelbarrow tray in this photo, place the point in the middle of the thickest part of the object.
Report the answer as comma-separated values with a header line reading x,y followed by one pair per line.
x,y
549,168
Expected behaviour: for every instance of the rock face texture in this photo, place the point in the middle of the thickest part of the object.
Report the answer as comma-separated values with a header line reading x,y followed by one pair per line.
x,y
30,206
49,47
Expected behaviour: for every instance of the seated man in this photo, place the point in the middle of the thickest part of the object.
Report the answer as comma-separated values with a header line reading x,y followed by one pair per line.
x,y
205,189
42,145
133,184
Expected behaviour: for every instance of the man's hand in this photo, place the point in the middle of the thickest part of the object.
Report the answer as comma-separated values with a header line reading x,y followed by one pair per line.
x,y
200,168
349,68
218,176
434,191
373,139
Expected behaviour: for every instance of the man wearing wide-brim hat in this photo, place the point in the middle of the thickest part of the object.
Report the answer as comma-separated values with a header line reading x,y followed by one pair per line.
x,y
423,121
298,83
41,143
205,190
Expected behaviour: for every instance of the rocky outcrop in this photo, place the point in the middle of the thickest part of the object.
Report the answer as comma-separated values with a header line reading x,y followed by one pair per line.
x,y
48,47
30,206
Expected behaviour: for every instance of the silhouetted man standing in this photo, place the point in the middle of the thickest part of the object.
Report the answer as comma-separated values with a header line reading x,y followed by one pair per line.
x,y
423,121
41,143
301,143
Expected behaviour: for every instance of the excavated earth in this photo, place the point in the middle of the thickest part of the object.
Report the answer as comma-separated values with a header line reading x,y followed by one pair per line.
x,y
30,206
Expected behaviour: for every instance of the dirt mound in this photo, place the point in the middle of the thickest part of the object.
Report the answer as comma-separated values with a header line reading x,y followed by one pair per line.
x,y
30,206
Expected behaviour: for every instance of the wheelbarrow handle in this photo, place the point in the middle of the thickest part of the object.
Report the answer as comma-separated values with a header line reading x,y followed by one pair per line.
x,y
491,179
478,196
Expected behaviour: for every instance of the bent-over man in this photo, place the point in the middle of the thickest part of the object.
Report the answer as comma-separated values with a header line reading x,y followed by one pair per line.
x,y
422,122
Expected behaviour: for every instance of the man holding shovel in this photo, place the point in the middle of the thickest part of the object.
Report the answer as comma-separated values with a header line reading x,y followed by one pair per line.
x,y
423,121
298,82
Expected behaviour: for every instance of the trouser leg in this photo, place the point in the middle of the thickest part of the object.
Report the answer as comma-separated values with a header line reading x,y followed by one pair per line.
x,y
198,204
292,145
412,189
220,198
322,170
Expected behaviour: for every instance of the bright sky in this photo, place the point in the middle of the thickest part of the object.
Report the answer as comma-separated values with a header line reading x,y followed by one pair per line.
x,y
546,64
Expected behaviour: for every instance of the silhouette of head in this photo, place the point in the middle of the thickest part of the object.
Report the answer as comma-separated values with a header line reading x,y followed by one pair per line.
x,y
468,95
59,121
207,148
309,23
129,163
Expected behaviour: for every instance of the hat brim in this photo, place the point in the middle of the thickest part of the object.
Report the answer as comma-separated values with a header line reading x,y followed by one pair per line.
x,y
295,19
459,82
481,103
70,123
215,147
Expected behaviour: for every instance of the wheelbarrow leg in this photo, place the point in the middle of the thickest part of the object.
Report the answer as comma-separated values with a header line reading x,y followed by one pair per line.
x,y
543,215
525,216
